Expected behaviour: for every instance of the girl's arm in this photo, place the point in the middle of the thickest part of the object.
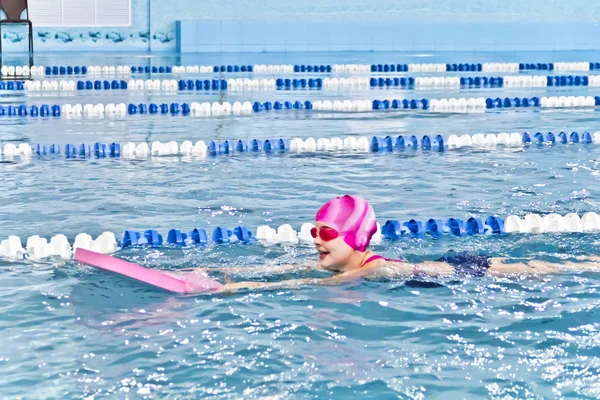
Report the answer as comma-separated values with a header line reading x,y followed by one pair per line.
x,y
290,284
534,267
268,270
401,269
429,268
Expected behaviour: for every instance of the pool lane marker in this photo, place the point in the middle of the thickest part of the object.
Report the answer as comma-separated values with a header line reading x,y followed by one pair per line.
x,y
58,246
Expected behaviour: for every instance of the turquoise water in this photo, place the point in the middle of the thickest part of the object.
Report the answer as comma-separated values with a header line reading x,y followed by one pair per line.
x,y
71,332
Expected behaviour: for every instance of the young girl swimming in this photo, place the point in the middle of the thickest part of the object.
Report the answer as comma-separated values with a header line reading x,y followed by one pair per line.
x,y
343,230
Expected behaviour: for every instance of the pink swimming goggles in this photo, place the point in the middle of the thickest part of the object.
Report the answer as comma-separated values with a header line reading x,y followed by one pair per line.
x,y
325,233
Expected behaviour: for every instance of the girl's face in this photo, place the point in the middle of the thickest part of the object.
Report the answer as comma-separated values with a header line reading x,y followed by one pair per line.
x,y
333,254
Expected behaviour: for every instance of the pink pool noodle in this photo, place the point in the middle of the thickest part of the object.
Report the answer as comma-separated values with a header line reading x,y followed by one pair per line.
x,y
192,283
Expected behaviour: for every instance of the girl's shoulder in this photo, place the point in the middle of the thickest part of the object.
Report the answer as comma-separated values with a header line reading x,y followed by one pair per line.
x,y
377,257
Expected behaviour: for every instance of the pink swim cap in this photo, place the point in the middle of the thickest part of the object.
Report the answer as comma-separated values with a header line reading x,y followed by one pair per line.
x,y
353,218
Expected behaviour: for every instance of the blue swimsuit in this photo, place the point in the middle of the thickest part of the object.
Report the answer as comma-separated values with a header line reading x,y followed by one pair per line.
x,y
464,264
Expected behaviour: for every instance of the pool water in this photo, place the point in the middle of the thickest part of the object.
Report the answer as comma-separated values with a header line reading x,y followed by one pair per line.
x,y
72,332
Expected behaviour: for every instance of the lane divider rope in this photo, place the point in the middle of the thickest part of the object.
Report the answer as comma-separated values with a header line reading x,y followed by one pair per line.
x,y
289,68
374,144
37,247
453,105
409,83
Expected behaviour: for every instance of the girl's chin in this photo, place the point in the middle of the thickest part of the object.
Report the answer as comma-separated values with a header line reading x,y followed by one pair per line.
x,y
327,263
324,261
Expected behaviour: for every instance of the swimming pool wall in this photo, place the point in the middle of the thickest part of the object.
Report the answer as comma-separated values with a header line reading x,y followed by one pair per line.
x,y
313,25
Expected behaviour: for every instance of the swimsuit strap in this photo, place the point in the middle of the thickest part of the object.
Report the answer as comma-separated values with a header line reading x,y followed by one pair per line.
x,y
378,257
373,258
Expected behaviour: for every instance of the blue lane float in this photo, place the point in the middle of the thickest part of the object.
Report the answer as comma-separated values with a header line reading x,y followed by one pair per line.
x,y
83,150
436,228
412,82
180,85
65,70
197,236
536,66
149,237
